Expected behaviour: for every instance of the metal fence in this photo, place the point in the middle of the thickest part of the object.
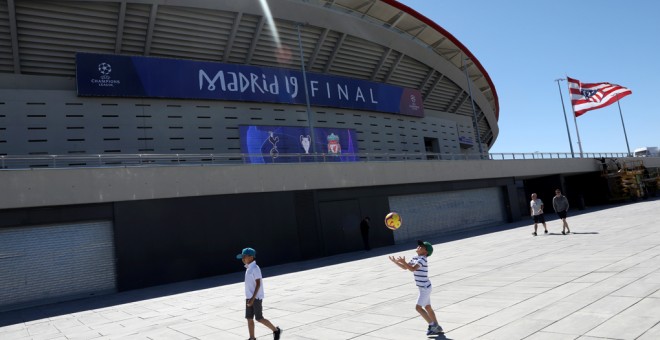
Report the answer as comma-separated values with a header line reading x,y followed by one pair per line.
x,y
129,160
555,155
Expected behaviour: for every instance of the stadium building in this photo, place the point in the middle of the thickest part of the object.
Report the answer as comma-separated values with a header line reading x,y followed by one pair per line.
x,y
146,142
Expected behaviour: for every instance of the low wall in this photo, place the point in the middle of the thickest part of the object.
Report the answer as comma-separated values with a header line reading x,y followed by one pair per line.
x,y
47,187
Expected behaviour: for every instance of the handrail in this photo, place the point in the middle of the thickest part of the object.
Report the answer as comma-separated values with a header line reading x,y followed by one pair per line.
x,y
555,155
10,162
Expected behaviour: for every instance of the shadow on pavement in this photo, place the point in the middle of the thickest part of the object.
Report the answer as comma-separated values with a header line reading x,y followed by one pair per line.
x,y
103,301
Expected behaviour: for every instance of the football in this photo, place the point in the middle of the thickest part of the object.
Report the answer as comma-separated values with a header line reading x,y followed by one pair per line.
x,y
393,221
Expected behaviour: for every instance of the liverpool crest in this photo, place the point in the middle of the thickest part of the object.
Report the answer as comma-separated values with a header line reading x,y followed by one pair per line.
x,y
334,147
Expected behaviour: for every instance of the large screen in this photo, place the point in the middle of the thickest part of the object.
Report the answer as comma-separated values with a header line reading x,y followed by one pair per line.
x,y
287,144
138,76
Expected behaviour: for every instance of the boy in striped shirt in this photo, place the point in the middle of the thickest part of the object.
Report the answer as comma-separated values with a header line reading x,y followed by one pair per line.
x,y
419,266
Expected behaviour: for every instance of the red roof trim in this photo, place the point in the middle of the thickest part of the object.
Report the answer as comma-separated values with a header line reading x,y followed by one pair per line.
x,y
453,39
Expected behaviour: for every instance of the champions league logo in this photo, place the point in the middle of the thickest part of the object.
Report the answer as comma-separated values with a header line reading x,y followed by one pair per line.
x,y
105,69
104,80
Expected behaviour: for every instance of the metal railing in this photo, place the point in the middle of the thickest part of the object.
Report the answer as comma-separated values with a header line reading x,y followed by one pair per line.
x,y
555,155
128,160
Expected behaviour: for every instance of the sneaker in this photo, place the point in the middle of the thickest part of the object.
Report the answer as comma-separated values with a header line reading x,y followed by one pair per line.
x,y
277,333
534,233
436,330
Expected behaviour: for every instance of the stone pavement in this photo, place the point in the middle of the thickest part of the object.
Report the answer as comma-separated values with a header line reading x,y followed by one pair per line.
x,y
601,282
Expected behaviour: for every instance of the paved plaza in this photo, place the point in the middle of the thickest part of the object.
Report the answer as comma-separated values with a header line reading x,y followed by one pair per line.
x,y
601,282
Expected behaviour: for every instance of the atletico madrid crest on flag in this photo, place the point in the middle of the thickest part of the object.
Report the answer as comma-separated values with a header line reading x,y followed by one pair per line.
x,y
590,96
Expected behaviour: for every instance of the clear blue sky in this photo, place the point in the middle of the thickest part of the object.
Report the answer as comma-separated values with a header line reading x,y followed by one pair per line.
x,y
526,44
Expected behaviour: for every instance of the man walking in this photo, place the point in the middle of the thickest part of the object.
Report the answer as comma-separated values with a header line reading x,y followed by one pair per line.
x,y
536,210
560,204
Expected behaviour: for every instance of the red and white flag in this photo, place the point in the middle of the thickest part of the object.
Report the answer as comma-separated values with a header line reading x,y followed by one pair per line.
x,y
590,96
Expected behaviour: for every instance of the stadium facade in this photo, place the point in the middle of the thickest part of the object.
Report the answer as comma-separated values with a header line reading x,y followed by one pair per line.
x,y
199,93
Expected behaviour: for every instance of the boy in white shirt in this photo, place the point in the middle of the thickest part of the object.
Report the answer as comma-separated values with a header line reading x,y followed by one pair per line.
x,y
419,266
254,294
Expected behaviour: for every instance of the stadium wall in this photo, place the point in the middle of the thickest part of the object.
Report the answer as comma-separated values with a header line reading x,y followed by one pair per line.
x,y
57,122
159,241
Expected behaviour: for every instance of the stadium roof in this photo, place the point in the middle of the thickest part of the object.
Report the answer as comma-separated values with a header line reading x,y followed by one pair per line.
x,y
378,40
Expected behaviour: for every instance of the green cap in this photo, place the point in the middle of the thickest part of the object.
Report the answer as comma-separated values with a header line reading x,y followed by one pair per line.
x,y
427,246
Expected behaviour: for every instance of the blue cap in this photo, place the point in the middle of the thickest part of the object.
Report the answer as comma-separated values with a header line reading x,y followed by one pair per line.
x,y
247,252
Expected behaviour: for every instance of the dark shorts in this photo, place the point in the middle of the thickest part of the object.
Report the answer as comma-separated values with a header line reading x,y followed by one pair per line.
x,y
539,218
256,311
561,214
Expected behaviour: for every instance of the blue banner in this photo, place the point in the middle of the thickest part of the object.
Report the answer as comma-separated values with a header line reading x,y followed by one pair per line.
x,y
465,140
287,144
136,76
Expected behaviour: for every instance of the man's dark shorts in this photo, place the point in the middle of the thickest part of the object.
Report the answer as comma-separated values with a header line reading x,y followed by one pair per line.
x,y
561,214
539,218
256,311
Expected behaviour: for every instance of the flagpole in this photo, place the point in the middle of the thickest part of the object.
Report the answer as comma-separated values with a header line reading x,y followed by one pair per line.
x,y
568,132
624,125
577,132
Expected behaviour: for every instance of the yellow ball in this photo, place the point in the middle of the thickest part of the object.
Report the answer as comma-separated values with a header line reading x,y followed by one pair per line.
x,y
393,221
